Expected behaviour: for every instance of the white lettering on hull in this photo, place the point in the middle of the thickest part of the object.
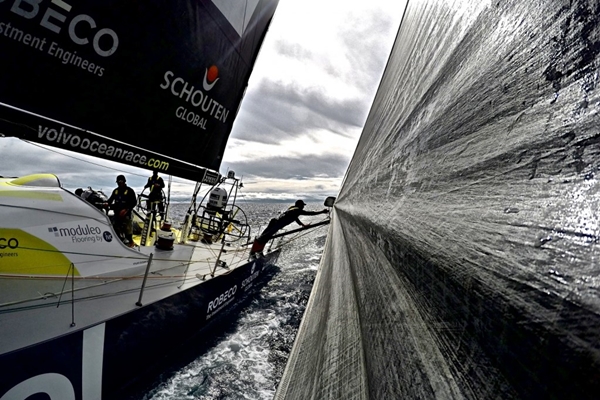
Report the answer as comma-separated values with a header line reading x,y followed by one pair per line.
x,y
59,387
91,364
221,299
56,386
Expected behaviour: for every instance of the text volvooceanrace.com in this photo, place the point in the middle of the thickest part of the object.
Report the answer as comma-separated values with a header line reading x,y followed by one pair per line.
x,y
94,146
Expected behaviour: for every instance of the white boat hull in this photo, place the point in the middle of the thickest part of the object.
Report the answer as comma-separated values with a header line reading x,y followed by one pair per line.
x,y
82,318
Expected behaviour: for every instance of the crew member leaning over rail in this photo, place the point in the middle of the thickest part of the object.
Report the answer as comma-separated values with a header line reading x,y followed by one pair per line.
x,y
284,219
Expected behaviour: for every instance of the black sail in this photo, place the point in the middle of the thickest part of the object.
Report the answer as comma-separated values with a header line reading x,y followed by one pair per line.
x,y
462,258
134,82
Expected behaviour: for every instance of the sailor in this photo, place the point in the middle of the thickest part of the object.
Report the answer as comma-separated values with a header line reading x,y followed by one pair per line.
x,y
122,201
284,219
78,192
95,198
156,185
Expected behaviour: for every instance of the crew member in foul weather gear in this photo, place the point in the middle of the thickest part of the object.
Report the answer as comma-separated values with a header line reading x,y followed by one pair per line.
x,y
155,198
95,198
122,201
284,219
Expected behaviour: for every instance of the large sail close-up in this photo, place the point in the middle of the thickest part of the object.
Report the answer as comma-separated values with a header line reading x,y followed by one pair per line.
x,y
462,260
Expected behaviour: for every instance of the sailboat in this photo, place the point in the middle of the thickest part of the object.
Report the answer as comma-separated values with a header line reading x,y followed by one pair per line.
x,y
155,86
462,257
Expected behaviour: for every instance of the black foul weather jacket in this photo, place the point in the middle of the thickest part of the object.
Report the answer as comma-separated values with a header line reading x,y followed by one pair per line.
x,y
155,192
122,198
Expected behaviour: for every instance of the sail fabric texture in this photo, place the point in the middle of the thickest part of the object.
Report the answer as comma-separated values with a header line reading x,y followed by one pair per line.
x,y
166,77
461,257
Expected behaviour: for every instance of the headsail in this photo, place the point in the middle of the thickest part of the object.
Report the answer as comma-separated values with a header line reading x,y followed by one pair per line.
x,y
160,82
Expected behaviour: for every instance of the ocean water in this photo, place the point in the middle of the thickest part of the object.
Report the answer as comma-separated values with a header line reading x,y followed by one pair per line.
x,y
245,356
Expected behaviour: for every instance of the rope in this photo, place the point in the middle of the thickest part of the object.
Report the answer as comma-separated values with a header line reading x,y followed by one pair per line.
x,y
107,280
238,256
90,162
100,220
280,243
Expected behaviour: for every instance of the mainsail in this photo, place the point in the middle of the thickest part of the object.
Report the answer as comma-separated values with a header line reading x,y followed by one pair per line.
x,y
462,258
154,85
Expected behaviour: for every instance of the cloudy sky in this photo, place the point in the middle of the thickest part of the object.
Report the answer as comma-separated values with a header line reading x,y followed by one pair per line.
x,y
306,103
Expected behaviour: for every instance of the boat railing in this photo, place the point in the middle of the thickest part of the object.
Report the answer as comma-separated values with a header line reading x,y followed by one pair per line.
x,y
71,271
139,302
221,225
143,198
71,274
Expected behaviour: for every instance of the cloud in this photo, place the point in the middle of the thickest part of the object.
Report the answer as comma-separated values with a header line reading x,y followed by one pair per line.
x,y
293,50
368,36
304,168
276,111
321,77
307,100
74,170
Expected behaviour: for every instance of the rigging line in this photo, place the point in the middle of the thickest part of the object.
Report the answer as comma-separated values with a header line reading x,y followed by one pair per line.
x,y
86,298
114,280
180,263
104,257
15,123
79,159
172,281
244,20
49,294
107,280
296,237
100,220
292,239
101,256
310,226
108,256
98,277
92,163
